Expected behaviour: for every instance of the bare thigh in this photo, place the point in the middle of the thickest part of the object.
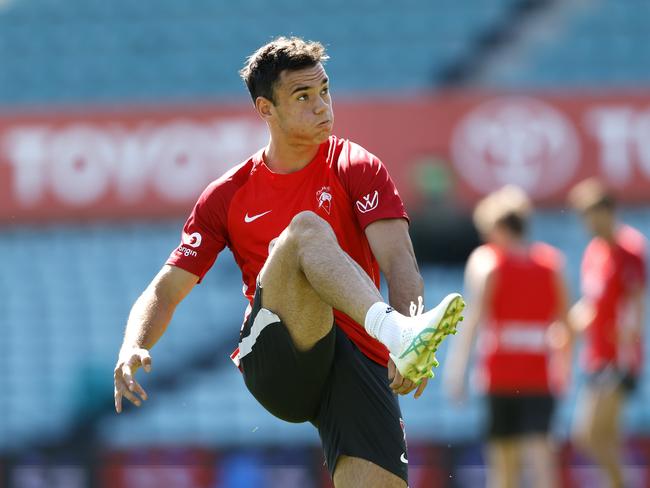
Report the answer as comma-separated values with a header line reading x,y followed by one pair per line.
x,y
352,472
597,415
288,294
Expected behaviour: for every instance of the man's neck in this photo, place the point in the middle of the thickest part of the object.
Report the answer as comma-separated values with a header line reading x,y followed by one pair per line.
x,y
516,245
609,237
287,158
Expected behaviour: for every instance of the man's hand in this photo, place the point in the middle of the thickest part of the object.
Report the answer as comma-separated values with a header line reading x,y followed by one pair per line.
x,y
125,385
581,315
404,386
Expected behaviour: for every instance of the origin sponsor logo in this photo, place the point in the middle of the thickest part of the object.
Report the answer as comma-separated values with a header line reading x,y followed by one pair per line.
x,y
192,240
186,251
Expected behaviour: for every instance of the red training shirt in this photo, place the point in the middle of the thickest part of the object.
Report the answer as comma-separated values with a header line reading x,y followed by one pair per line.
x,y
610,273
250,205
524,303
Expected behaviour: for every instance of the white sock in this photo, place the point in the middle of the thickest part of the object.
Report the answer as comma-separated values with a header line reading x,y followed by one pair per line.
x,y
386,325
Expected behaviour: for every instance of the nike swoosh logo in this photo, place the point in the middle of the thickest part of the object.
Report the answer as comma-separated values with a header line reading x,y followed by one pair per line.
x,y
403,458
248,219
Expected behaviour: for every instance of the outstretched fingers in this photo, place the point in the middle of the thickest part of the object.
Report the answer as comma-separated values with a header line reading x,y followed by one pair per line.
x,y
125,385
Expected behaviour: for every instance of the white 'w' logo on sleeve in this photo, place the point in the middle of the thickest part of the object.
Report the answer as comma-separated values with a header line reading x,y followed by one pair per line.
x,y
370,202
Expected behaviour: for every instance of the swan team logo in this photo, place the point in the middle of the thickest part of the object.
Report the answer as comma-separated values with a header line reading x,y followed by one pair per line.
x,y
324,197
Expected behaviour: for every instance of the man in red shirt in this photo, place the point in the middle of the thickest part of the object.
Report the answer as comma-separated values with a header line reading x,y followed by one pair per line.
x,y
311,220
611,314
519,306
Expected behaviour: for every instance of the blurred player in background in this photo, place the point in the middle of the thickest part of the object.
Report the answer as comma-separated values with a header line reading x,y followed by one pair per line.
x,y
518,307
611,314
311,219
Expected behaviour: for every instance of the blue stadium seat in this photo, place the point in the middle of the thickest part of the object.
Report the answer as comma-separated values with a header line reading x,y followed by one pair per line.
x,y
87,51
604,44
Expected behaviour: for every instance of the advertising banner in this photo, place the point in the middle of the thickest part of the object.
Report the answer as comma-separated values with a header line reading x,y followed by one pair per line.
x,y
146,162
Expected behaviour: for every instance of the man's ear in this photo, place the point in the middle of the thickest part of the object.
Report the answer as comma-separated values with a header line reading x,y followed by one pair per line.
x,y
264,107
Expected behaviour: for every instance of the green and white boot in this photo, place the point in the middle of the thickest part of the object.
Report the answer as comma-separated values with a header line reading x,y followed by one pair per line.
x,y
417,358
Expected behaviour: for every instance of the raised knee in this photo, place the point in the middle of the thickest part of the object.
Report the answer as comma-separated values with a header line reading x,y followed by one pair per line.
x,y
308,224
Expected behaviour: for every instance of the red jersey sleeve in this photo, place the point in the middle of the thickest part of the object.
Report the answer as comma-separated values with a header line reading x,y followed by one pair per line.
x,y
634,243
549,256
370,187
204,233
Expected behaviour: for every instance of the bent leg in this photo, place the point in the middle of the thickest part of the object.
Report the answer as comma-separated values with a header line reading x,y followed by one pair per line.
x,y
307,274
352,472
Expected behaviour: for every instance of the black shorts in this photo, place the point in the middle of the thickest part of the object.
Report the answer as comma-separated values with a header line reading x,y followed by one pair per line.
x,y
519,415
611,376
344,394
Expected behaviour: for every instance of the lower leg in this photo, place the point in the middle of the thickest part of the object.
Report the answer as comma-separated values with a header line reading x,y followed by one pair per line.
x,y
608,458
504,464
352,472
542,461
598,433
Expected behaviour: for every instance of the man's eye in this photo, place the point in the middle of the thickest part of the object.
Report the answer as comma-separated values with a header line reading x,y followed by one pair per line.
x,y
302,98
325,91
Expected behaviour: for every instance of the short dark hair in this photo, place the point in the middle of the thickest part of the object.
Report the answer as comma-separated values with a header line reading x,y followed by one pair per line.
x,y
514,222
264,66
508,208
591,194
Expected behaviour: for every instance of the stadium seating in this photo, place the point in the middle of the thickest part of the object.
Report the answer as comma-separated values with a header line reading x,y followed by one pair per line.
x,y
600,44
66,294
170,50
184,51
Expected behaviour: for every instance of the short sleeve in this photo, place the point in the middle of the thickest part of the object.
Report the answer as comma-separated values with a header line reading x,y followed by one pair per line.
x,y
634,245
204,235
370,187
549,256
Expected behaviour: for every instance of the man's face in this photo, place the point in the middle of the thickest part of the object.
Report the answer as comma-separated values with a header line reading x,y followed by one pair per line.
x,y
500,236
600,221
303,108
